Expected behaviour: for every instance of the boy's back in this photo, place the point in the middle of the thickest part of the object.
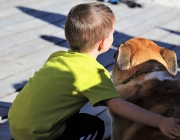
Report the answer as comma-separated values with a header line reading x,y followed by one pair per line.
x,y
56,92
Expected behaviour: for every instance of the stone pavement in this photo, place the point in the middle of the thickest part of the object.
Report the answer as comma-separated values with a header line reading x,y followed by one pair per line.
x,y
31,30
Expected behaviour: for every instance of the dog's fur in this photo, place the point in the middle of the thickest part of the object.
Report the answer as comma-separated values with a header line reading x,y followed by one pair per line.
x,y
144,74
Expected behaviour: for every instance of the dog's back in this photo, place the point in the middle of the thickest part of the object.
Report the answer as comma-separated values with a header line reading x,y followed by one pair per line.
x,y
148,84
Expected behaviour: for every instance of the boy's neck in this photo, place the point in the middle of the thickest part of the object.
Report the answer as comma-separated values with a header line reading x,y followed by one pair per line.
x,y
96,51
93,54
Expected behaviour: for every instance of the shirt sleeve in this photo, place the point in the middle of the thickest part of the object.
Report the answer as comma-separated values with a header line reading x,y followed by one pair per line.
x,y
99,87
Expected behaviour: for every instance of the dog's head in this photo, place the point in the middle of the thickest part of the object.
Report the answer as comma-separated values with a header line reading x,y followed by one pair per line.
x,y
138,51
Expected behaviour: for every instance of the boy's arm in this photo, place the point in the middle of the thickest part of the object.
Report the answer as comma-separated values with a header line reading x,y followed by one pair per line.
x,y
168,126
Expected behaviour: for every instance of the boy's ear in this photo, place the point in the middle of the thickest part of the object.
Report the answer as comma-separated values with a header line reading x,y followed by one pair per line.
x,y
101,44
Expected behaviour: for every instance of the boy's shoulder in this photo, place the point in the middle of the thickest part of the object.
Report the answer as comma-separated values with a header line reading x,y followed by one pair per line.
x,y
56,54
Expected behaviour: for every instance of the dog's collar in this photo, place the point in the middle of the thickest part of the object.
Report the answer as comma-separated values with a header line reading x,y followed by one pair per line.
x,y
136,75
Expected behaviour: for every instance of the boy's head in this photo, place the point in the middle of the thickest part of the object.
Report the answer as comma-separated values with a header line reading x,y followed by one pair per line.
x,y
87,24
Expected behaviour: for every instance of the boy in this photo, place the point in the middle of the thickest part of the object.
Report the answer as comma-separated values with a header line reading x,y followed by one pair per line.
x,y
47,107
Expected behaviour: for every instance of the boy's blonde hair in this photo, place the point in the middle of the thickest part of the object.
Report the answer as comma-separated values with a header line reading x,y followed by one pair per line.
x,y
87,24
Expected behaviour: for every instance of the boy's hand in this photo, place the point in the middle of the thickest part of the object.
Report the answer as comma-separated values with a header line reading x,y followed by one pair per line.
x,y
170,127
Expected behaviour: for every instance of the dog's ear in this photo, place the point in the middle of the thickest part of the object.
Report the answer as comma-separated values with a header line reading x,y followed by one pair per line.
x,y
124,57
171,60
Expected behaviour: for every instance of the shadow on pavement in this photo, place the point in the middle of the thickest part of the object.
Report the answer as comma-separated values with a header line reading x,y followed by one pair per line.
x,y
58,19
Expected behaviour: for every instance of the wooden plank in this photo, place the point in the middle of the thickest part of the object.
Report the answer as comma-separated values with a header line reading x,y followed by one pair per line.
x,y
130,22
5,104
6,101
166,3
11,3
21,64
155,34
15,82
3,113
149,24
171,38
37,4
16,40
22,50
5,33
172,25
35,23
5,133
128,12
27,47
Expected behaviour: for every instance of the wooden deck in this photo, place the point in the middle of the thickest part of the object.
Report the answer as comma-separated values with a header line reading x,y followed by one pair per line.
x,y
31,30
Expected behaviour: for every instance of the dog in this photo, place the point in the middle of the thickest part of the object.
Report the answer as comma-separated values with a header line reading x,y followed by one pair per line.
x,y
143,73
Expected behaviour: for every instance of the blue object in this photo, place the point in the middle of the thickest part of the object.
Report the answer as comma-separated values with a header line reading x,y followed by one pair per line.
x,y
113,1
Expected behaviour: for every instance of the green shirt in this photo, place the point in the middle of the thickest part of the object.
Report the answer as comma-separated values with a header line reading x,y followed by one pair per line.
x,y
66,82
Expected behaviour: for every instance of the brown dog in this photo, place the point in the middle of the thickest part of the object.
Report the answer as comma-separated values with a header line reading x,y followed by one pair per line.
x,y
143,73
